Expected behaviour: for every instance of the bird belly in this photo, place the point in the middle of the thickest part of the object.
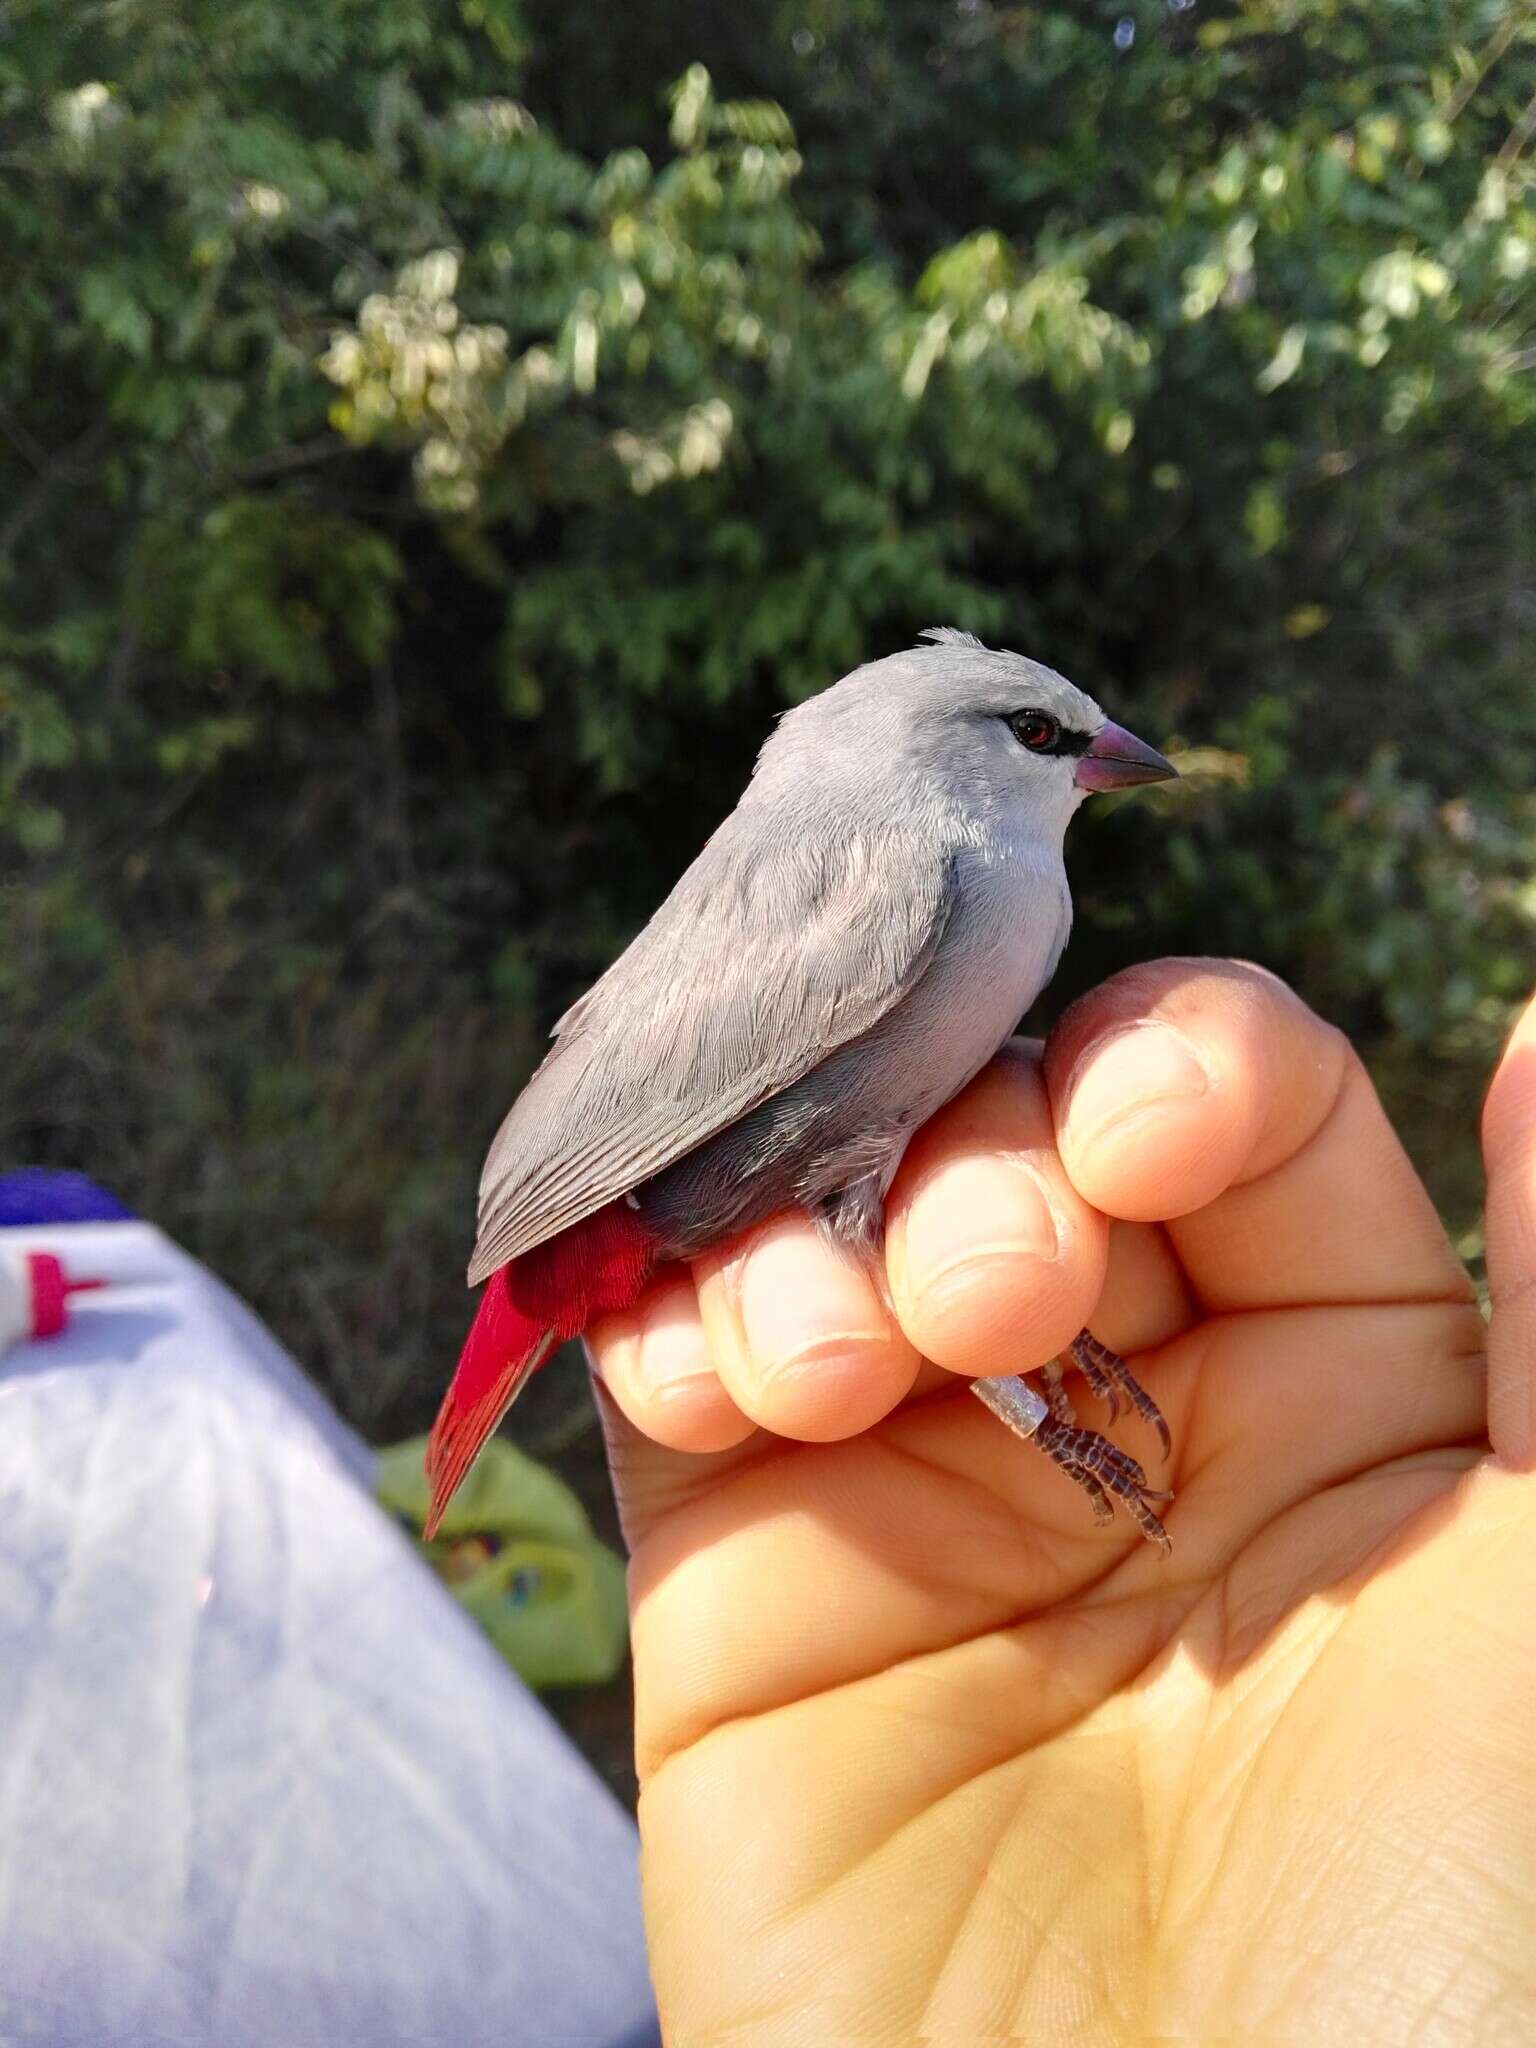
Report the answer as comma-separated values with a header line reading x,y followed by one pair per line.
x,y
831,1141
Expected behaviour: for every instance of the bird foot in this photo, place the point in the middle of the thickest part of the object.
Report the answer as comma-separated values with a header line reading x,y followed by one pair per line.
x,y
1110,1378
1106,1474
1042,1414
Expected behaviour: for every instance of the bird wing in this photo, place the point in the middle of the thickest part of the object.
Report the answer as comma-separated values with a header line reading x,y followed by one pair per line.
x,y
765,958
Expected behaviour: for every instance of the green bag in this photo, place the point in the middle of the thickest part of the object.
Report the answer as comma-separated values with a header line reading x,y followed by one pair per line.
x,y
517,1550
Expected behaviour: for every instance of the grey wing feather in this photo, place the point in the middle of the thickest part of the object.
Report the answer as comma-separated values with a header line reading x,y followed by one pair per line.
x,y
765,958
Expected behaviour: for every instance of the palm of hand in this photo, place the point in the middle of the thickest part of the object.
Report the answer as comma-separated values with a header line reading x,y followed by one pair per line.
x,y
927,1756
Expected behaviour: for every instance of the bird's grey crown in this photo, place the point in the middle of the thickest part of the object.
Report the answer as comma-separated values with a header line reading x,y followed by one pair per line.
x,y
914,705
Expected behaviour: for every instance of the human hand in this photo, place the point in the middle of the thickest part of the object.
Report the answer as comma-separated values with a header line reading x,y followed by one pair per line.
x,y
925,1752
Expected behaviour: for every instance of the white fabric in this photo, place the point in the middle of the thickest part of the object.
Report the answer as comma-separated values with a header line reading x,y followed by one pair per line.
x,y
261,1781
15,1296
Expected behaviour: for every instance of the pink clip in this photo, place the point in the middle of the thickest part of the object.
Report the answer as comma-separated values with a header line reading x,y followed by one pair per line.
x,y
51,1292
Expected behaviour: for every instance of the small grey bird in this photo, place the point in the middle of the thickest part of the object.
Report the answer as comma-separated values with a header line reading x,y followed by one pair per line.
x,y
855,942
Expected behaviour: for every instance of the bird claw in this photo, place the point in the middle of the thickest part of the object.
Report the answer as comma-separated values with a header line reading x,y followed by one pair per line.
x,y
1057,1399
1110,1378
1036,1406
1106,1474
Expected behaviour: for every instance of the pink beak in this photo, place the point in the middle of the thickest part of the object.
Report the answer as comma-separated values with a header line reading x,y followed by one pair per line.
x,y
1116,759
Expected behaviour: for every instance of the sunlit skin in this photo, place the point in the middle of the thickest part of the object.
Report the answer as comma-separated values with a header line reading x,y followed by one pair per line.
x,y
926,1754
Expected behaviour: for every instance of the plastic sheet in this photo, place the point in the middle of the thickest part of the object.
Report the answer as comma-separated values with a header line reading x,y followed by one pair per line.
x,y
261,1780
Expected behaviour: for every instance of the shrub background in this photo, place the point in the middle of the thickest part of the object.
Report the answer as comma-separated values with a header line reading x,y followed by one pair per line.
x,y
436,439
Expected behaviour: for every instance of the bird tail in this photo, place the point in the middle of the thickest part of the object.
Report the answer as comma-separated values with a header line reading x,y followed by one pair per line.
x,y
539,1300
501,1353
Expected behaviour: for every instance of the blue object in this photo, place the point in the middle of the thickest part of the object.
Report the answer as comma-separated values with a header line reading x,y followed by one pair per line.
x,y
45,1194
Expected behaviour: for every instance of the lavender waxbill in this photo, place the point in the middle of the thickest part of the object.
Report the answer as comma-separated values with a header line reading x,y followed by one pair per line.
x,y
855,942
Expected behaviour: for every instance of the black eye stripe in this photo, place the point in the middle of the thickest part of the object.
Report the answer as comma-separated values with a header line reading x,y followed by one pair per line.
x,y
1065,739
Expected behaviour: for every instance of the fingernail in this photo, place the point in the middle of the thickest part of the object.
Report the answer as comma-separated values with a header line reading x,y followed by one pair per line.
x,y
662,1369
618,1353
1142,1068
971,1210
684,1389
792,1325
673,1353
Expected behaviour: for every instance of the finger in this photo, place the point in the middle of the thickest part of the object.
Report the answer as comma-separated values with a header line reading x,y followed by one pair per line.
x,y
654,1360
995,1261
802,1341
1205,1092
1146,1298
651,1481
1509,1151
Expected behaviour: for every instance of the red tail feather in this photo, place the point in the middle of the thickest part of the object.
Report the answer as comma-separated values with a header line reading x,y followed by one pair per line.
x,y
500,1352
541,1299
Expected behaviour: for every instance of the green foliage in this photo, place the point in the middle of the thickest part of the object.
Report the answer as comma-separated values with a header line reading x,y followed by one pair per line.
x,y
439,436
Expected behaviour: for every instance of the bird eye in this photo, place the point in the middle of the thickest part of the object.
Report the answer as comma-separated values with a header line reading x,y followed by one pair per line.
x,y
1036,730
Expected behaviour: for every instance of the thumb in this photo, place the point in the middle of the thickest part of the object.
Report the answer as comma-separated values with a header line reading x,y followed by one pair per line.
x,y
1509,1153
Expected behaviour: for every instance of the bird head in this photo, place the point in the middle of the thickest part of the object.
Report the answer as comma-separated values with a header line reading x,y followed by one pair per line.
x,y
984,729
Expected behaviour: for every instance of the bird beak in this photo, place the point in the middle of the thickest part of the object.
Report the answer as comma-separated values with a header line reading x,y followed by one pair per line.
x,y
1118,760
